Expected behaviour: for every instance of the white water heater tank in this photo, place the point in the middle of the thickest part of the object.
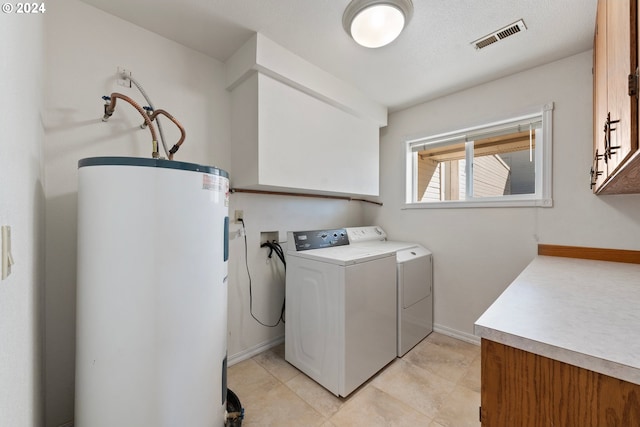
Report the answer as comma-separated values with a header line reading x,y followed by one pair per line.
x,y
152,293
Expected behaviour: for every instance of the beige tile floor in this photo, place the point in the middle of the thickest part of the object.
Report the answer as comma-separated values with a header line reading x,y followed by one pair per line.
x,y
436,384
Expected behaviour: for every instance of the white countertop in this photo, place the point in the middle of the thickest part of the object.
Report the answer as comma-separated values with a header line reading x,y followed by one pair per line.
x,y
585,313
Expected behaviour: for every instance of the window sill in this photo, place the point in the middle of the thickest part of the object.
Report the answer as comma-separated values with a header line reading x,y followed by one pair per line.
x,y
482,203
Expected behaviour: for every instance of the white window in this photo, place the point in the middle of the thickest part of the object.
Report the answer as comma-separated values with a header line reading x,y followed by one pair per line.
x,y
505,163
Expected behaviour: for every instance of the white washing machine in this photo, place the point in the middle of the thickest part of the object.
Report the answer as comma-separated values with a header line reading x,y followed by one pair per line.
x,y
340,309
414,283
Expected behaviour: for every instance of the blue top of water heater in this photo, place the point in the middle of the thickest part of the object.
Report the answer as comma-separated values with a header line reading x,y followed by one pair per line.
x,y
154,163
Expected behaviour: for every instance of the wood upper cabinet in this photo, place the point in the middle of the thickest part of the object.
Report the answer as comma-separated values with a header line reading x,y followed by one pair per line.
x,y
616,158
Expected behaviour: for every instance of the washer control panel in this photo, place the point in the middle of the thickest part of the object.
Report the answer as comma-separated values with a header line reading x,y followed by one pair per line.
x,y
366,234
317,239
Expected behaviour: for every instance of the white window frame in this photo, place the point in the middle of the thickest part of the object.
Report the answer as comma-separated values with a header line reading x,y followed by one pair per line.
x,y
543,166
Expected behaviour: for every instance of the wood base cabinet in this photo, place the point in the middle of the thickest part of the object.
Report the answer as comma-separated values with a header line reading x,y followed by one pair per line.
x,y
527,390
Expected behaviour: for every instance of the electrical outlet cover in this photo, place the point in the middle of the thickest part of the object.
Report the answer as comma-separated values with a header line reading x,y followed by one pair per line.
x,y
123,81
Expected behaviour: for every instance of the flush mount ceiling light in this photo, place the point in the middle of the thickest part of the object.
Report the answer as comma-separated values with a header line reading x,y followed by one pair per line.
x,y
376,23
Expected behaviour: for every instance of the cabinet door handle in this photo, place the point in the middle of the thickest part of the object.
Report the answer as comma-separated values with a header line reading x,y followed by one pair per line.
x,y
609,150
606,138
633,83
594,177
597,157
595,173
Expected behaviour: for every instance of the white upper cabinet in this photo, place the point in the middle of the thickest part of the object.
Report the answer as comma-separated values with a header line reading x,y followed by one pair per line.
x,y
295,127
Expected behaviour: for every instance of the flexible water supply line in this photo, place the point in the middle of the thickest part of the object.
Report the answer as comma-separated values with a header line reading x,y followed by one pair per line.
x,y
124,75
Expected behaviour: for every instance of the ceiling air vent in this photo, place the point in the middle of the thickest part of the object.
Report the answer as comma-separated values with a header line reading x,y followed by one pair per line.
x,y
500,34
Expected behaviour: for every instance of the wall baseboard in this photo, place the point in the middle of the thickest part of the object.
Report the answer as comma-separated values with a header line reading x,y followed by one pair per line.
x,y
252,351
454,333
266,345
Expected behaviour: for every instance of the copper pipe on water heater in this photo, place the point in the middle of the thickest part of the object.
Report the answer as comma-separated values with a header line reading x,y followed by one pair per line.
x,y
177,145
111,106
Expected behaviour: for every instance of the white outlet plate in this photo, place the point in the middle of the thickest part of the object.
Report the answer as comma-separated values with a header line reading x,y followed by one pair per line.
x,y
238,214
7,259
268,236
122,81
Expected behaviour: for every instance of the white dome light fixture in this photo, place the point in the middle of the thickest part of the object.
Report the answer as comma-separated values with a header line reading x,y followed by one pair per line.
x,y
376,23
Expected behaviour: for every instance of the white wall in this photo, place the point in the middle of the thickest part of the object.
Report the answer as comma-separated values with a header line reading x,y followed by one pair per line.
x,y
479,251
84,46
22,208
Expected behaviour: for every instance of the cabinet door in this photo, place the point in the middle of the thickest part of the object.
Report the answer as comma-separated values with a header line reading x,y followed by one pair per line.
x,y
528,390
599,170
621,62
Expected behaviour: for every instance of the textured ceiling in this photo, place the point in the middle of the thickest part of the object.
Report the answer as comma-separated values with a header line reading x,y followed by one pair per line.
x,y
431,58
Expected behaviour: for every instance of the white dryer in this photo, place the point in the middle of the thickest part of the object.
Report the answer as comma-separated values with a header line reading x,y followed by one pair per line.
x,y
414,283
340,309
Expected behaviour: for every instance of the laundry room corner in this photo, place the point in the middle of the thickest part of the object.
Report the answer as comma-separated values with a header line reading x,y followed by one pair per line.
x,y
269,213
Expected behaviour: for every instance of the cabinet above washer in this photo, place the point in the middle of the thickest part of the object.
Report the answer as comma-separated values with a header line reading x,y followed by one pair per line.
x,y
296,128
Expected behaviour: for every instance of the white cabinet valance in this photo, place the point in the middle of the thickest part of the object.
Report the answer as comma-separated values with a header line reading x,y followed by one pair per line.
x,y
296,128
